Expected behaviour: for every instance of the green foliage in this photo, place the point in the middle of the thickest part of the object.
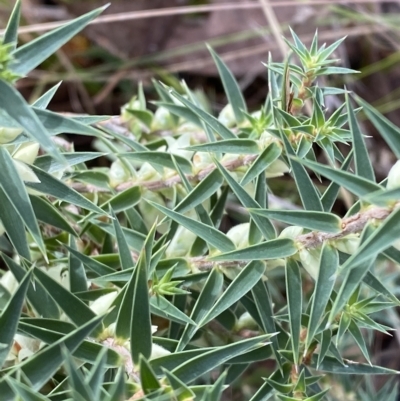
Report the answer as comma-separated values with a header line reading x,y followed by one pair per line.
x,y
119,282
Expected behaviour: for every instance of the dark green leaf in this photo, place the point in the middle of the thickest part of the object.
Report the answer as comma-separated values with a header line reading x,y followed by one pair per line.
x,y
16,107
11,31
362,161
273,249
231,87
10,317
209,234
30,55
319,221
242,284
294,296
15,190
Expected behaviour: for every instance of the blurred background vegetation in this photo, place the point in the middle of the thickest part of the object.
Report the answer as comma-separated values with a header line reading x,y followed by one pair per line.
x,y
139,40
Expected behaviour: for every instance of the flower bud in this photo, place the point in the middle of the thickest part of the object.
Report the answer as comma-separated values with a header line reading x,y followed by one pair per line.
x,y
181,244
245,321
8,134
310,259
239,235
27,152
227,116
118,173
150,214
162,120
102,304
25,172
276,169
348,244
393,180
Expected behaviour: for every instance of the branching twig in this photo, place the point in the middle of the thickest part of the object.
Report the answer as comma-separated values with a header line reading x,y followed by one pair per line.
x,y
350,225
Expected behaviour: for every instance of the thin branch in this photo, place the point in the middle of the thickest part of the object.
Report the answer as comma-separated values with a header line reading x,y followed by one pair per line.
x,y
166,12
350,225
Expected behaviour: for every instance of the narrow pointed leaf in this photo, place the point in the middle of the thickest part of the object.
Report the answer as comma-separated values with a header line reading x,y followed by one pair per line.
x,y
307,191
263,161
73,307
49,185
25,392
40,368
47,213
16,107
331,365
43,101
14,225
11,32
319,221
362,161
76,380
77,274
148,378
294,296
124,252
140,330
162,159
15,190
231,87
235,146
197,366
262,299
357,185
211,290
209,234
10,317
323,289
210,120
264,225
30,55
37,295
178,386
242,284
273,249
389,132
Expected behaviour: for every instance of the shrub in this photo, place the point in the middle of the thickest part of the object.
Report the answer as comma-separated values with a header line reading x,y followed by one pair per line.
x,y
119,283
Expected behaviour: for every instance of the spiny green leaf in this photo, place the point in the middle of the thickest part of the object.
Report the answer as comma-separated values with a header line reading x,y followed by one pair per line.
x,y
323,289
389,132
199,365
231,87
162,159
208,119
294,296
11,31
357,185
242,284
235,146
43,101
307,191
320,221
73,307
10,317
362,161
30,55
273,249
211,290
16,107
263,161
15,190
49,185
140,330
209,234
264,225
